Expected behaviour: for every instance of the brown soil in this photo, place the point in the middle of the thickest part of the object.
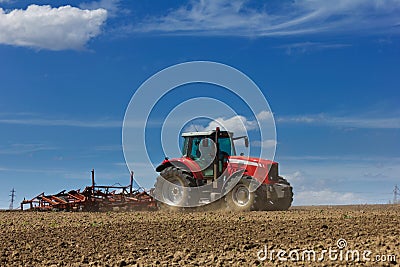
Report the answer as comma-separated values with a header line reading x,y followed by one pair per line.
x,y
199,238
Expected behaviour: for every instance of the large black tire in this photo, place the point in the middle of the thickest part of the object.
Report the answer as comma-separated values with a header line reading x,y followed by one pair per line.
x,y
240,198
281,203
260,200
172,192
282,180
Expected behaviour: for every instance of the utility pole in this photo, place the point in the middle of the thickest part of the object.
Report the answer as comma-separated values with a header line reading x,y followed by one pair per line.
x,y
396,193
12,199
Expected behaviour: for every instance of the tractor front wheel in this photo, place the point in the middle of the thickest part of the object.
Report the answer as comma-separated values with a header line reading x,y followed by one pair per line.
x,y
240,198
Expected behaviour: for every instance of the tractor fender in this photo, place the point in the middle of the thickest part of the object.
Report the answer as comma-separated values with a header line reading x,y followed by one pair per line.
x,y
185,164
231,181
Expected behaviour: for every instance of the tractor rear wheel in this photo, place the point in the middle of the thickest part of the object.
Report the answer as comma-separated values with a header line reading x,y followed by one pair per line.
x,y
240,198
261,198
281,203
172,189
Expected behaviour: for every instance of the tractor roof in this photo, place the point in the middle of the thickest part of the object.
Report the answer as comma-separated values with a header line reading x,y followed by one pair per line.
x,y
207,133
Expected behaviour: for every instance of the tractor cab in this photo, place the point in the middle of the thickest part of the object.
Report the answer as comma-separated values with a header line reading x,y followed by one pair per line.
x,y
210,150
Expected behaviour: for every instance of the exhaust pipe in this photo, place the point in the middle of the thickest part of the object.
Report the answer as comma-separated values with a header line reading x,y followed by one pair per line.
x,y
216,158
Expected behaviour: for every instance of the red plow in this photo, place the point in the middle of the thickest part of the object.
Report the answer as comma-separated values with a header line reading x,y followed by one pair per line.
x,y
94,198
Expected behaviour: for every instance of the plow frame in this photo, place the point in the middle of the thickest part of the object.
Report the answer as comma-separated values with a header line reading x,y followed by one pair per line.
x,y
94,198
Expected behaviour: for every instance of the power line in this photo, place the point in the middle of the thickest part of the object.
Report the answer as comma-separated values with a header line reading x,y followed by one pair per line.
x,y
396,194
12,199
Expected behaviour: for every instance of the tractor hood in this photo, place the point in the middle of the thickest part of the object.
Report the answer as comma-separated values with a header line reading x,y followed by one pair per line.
x,y
255,167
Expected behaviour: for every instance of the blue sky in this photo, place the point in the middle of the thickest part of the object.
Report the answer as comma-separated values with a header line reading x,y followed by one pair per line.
x,y
329,70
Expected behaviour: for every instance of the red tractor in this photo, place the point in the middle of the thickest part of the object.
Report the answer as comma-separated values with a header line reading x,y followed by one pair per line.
x,y
210,172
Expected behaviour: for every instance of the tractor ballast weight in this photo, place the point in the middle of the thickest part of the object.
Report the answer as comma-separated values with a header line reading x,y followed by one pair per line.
x,y
210,171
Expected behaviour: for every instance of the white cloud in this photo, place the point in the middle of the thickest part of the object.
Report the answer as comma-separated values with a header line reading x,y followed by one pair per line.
x,y
351,121
240,126
112,6
39,170
300,118
351,179
264,115
337,158
265,144
224,17
310,191
194,128
44,27
328,197
296,177
237,124
304,47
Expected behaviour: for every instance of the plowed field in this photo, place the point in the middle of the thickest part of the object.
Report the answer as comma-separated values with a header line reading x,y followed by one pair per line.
x,y
214,238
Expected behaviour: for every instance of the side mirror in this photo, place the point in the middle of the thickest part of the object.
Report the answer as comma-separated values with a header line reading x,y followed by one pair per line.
x,y
246,141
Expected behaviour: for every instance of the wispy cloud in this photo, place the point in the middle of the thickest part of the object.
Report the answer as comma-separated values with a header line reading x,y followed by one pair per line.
x,y
112,176
364,180
237,124
350,121
240,124
112,6
33,170
306,47
265,144
35,121
328,197
18,149
339,158
109,148
242,18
